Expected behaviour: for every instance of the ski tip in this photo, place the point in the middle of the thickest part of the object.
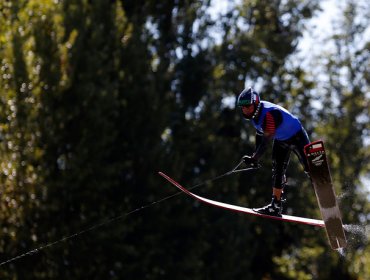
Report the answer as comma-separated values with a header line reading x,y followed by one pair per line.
x,y
162,174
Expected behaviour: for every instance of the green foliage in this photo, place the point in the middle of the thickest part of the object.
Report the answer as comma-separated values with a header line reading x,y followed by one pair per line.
x,y
97,96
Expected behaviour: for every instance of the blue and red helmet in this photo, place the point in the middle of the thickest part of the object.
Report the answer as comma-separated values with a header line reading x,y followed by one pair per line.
x,y
249,97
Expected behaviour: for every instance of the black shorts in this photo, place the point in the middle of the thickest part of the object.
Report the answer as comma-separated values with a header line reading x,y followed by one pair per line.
x,y
281,153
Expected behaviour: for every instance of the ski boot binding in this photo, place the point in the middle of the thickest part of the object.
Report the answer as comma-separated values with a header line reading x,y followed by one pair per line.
x,y
275,208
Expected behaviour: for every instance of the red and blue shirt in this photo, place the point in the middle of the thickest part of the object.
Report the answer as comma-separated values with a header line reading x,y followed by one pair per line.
x,y
276,122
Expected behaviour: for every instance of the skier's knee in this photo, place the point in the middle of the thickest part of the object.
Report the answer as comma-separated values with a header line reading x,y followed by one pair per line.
x,y
278,176
278,180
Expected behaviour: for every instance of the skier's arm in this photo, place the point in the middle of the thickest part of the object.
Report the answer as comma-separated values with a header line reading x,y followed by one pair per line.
x,y
261,145
272,120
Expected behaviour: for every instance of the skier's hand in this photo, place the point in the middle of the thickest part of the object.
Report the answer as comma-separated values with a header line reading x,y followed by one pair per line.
x,y
250,161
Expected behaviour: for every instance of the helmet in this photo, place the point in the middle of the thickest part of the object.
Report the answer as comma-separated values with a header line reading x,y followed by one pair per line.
x,y
249,97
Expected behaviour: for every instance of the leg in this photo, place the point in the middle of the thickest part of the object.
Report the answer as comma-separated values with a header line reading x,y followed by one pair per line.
x,y
300,140
277,192
280,161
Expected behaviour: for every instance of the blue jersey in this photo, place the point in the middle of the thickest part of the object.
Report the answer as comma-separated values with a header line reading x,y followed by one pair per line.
x,y
282,127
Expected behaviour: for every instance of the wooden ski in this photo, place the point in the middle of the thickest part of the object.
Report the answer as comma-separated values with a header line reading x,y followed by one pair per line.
x,y
285,218
322,183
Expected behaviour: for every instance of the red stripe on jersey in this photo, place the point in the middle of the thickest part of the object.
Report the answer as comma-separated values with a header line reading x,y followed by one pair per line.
x,y
270,126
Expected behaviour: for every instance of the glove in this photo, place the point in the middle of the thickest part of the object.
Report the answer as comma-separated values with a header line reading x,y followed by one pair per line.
x,y
250,161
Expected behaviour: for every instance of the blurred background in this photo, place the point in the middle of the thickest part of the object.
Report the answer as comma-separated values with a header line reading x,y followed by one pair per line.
x,y
98,96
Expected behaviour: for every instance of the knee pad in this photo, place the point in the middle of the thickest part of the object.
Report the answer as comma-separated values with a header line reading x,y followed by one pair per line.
x,y
278,175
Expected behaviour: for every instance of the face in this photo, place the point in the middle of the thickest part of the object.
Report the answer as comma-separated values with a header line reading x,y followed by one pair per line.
x,y
248,110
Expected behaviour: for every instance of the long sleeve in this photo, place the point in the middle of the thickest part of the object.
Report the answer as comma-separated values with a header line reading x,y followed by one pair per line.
x,y
271,121
261,145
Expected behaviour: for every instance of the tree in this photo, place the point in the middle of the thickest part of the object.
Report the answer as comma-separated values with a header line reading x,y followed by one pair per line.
x,y
97,96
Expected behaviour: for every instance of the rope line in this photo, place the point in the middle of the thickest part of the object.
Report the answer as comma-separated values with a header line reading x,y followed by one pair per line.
x,y
103,223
